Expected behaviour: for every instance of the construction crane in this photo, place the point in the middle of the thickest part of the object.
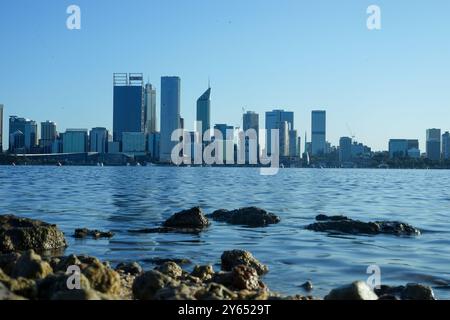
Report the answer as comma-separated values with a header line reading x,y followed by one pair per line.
x,y
350,131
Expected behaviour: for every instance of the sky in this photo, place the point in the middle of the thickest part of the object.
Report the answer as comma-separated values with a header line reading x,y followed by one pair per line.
x,y
260,55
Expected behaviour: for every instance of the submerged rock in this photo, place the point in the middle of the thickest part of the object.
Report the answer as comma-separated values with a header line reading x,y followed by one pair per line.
x,y
250,216
20,234
234,258
342,224
412,291
96,234
358,290
308,286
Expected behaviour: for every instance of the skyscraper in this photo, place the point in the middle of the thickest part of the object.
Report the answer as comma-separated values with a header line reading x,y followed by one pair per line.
x,y
345,149
1,128
251,121
434,144
150,109
274,119
204,111
28,128
98,140
318,132
128,103
227,133
75,141
293,144
446,145
48,136
170,115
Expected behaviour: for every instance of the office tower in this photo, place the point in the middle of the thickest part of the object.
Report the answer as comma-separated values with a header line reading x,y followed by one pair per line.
x,y
345,149
1,128
29,130
318,132
48,136
299,144
398,148
75,141
227,133
293,143
170,115
284,139
446,145
250,120
98,140
153,145
204,112
150,109
434,144
274,119
134,143
128,103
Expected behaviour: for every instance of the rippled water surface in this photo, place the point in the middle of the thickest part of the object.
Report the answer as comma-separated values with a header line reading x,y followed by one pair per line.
x,y
124,198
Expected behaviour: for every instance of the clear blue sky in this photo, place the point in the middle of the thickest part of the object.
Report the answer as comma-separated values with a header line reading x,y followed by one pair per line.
x,y
260,54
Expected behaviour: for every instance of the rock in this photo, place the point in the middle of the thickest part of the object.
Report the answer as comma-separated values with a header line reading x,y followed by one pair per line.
x,y
63,263
146,285
160,261
20,286
8,261
223,278
31,266
245,278
132,268
58,282
20,234
250,216
215,291
414,291
5,294
77,295
358,290
308,285
96,234
192,218
342,224
102,278
204,273
170,269
231,259
181,292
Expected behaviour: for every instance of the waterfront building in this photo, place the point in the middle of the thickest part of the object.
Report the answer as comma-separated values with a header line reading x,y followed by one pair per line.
x,y
399,148
29,130
113,147
204,112
57,146
98,140
318,132
274,120
150,109
170,115
75,141
153,145
48,136
1,128
446,145
293,143
433,144
134,143
345,149
128,101
250,120
227,139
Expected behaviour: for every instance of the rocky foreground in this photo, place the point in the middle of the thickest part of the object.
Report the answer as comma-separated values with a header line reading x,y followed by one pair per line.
x,y
25,274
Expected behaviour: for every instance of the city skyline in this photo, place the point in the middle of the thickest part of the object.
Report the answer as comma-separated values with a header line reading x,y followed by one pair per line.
x,y
395,76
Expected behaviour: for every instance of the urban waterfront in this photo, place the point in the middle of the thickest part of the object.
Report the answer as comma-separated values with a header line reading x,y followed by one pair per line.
x,y
127,198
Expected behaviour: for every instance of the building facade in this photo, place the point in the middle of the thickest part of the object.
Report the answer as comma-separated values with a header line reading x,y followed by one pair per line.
x,y
28,128
98,140
134,143
345,149
48,136
446,145
433,144
75,141
274,119
225,137
318,132
170,115
150,119
204,113
128,101
250,120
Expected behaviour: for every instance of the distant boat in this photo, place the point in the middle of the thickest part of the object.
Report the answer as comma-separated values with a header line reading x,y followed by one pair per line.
x,y
138,164
59,164
13,164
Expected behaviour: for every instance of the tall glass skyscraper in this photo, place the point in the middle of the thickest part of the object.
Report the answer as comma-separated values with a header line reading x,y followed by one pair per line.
x,y
274,120
318,132
98,140
170,115
128,104
1,128
28,128
434,144
446,145
250,120
150,109
48,136
204,111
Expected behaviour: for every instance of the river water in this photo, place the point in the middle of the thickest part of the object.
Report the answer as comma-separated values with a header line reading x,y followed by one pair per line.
x,y
125,198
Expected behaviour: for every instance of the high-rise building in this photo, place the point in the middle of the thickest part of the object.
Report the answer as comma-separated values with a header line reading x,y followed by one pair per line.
x,y
345,149
284,139
293,144
251,121
318,132
434,144
134,142
1,128
227,138
170,115
446,145
48,136
400,148
150,109
98,140
128,103
75,141
204,112
29,130
274,119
